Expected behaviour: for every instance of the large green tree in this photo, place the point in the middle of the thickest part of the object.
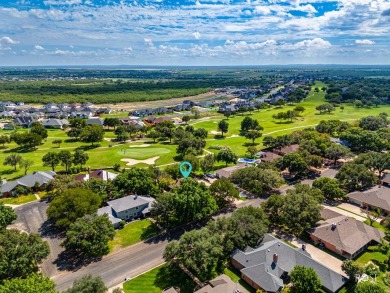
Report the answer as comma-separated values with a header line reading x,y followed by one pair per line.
x,y
330,188
92,134
72,204
51,159
354,176
12,160
39,129
369,287
304,280
294,163
89,236
223,192
7,216
34,283
80,157
223,126
336,151
88,284
66,159
378,162
227,155
135,180
20,253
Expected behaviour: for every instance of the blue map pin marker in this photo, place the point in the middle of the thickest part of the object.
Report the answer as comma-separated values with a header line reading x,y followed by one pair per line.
x,y
185,169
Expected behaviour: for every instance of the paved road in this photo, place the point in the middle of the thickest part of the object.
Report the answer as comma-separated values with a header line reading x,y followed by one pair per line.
x,y
32,218
115,267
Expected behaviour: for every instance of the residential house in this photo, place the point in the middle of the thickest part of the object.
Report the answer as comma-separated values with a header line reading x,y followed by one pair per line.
x,y
23,121
267,267
55,123
344,235
7,114
163,110
9,126
228,171
96,121
182,107
266,156
222,284
97,174
41,178
127,208
161,119
376,197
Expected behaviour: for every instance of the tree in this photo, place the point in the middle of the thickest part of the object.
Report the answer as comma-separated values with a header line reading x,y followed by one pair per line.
x,y
336,151
294,163
372,123
92,133
223,126
304,280
88,284
39,129
136,181
186,118
375,161
226,155
34,283
299,109
191,145
369,287
201,133
7,216
80,157
121,134
372,215
12,160
20,253
4,139
361,140
72,204
354,176
253,134
154,135
227,114
89,235
66,159
31,140
300,211
330,188
207,164
252,151
57,142
111,122
26,164
256,180
223,192
195,113
51,159
325,108
272,208
351,269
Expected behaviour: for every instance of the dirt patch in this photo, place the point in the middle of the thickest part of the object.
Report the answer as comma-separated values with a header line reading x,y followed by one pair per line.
x,y
132,162
155,104
215,132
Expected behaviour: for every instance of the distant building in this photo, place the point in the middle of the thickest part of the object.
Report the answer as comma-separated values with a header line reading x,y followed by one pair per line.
x,y
228,171
96,121
377,197
97,174
55,123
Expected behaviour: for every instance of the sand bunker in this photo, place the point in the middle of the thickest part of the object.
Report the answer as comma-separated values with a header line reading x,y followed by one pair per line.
x,y
215,132
131,162
140,146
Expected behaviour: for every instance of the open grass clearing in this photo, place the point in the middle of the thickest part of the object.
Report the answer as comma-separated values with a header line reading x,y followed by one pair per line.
x,y
19,200
132,233
158,279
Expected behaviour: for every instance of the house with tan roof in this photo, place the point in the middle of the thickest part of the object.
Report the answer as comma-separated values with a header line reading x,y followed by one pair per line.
x,y
344,235
376,197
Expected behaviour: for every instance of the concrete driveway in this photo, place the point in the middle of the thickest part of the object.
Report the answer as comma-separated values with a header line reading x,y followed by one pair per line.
x,y
32,219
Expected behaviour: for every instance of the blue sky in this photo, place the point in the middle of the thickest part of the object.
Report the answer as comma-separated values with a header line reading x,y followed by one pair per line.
x,y
194,32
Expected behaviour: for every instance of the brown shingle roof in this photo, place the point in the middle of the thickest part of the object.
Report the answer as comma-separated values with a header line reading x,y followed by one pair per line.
x,y
348,234
377,197
289,149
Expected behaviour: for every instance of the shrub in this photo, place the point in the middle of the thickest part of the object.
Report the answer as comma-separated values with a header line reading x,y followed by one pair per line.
x,y
371,269
116,167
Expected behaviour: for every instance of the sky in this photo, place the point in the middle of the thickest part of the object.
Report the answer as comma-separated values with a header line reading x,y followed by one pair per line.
x,y
194,32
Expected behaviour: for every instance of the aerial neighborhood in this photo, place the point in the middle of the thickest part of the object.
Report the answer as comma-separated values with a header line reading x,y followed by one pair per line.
x,y
276,183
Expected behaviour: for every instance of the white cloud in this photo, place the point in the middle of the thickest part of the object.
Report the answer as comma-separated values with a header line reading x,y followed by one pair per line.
x,y
196,35
8,41
364,42
263,10
38,47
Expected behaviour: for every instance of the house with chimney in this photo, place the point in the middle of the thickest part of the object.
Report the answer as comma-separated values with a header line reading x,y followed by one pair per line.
x,y
127,208
268,266
344,235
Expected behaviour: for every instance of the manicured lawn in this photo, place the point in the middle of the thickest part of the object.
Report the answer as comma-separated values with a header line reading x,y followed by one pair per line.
x,y
133,233
370,255
19,200
159,279
236,278
376,225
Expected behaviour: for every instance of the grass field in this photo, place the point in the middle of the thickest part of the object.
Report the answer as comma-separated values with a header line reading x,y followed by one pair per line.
x,y
133,233
109,153
159,279
19,200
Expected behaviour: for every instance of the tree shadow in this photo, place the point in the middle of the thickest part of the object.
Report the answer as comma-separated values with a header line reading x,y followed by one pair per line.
x,y
71,261
173,276
248,144
71,140
284,122
150,231
8,172
219,136
22,150
87,147
49,230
